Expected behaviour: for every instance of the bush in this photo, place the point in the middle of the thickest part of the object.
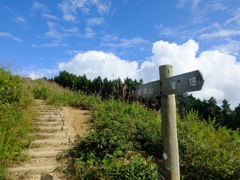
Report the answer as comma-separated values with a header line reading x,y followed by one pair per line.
x,y
207,152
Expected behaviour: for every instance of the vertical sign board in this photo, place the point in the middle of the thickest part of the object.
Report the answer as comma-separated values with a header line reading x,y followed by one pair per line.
x,y
166,88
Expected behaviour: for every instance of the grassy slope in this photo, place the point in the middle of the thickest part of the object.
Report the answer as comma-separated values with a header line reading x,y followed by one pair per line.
x,y
125,136
15,119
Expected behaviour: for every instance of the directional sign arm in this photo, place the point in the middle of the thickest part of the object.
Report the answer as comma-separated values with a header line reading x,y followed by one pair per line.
x,y
192,81
151,89
188,82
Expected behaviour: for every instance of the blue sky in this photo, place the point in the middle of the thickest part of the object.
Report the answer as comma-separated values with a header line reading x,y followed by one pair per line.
x,y
125,38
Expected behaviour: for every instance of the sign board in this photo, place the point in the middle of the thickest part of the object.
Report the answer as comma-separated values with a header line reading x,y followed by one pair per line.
x,y
151,89
192,81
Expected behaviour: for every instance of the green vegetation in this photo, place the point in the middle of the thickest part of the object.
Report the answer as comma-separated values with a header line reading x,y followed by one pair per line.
x,y
208,109
125,142
15,119
106,89
125,90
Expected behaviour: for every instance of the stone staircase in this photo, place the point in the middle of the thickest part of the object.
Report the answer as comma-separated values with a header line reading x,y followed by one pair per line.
x,y
52,140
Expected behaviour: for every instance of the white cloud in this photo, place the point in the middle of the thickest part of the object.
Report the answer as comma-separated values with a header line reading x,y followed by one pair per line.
x,y
40,7
221,79
221,33
181,57
20,20
230,47
199,10
115,42
9,35
43,9
235,19
95,21
193,3
53,32
103,7
49,16
220,70
50,45
89,33
70,8
34,73
97,63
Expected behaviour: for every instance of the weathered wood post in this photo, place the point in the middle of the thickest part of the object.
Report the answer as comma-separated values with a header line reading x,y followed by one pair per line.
x,y
166,88
169,128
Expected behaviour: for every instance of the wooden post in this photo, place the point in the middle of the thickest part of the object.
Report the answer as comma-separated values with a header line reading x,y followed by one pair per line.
x,y
169,128
167,87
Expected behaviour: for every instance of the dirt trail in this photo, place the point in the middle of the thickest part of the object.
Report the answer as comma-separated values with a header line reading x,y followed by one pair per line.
x,y
57,128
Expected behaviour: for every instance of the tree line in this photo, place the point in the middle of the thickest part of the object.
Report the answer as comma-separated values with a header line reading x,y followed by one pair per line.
x,y
125,90
104,88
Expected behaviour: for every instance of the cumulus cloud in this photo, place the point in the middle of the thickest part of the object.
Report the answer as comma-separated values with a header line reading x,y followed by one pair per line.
x,y
182,57
221,79
97,63
220,70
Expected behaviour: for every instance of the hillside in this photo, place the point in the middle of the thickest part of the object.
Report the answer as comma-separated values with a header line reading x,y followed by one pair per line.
x,y
125,140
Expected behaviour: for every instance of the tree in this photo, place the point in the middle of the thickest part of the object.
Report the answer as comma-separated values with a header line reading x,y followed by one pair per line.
x,y
97,85
107,88
214,111
227,114
236,117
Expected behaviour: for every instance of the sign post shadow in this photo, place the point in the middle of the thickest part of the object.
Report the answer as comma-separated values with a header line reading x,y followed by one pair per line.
x,y
166,88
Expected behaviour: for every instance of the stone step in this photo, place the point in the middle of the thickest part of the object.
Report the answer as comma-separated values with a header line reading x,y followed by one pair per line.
x,y
52,128
59,149
34,169
49,116
49,110
58,118
47,107
50,113
44,135
49,123
43,154
54,142
42,176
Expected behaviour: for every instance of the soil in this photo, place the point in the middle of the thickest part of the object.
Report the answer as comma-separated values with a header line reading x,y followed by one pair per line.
x,y
57,128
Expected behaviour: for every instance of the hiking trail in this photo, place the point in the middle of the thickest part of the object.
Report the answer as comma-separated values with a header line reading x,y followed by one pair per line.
x,y
55,134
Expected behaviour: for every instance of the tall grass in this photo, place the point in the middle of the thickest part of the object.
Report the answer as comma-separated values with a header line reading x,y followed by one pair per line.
x,y
15,119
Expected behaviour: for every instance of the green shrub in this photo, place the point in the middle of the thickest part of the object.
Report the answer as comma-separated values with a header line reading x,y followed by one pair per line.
x,y
208,152
41,93
110,167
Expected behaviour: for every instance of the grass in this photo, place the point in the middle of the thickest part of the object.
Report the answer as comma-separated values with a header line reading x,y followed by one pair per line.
x,y
15,119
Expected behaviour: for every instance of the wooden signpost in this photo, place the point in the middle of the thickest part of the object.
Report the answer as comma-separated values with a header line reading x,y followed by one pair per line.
x,y
166,88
